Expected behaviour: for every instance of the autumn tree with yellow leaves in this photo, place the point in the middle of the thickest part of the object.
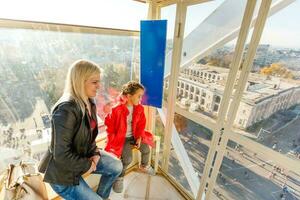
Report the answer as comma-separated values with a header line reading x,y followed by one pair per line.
x,y
277,69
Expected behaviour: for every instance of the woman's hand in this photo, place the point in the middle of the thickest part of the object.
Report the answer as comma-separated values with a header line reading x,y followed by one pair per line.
x,y
92,169
95,159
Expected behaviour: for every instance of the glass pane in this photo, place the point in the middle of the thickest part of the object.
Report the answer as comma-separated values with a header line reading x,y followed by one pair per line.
x,y
201,85
120,14
247,175
135,62
198,13
168,13
220,23
160,132
196,141
176,171
270,105
203,74
190,145
32,74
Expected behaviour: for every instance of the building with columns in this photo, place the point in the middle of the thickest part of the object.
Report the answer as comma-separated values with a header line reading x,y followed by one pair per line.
x,y
200,89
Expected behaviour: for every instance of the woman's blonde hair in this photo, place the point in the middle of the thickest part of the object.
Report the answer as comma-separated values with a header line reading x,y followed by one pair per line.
x,y
79,72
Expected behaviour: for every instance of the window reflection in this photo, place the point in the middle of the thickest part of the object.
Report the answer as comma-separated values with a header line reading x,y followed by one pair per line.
x,y
32,70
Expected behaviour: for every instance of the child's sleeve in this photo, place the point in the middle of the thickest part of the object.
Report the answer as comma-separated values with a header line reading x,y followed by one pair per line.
x,y
146,136
109,122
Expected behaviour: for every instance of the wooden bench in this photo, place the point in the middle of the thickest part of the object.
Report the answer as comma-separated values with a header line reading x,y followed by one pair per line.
x,y
93,179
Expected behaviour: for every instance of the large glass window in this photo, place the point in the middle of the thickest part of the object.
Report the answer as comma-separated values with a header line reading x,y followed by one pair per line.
x,y
201,66
270,105
206,63
268,114
199,87
33,68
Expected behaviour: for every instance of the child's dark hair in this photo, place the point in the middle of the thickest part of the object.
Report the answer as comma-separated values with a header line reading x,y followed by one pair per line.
x,y
131,87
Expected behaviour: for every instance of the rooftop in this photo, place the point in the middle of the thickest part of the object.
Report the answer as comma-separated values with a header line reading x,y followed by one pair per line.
x,y
259,87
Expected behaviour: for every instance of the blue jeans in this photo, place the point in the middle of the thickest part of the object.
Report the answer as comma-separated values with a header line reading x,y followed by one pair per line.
x,y
108,166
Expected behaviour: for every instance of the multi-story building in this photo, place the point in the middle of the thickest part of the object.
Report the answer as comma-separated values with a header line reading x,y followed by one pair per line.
x,y
201,87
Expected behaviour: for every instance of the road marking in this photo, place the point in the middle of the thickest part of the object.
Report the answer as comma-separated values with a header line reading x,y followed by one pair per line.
x,y
249,166
228,166
239,168
235,182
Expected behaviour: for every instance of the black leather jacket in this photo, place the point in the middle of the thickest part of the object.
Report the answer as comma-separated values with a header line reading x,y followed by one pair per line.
x,y
72,144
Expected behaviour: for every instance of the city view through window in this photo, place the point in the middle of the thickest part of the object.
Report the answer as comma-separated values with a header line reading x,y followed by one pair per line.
x,y
32,74
268,114
264,136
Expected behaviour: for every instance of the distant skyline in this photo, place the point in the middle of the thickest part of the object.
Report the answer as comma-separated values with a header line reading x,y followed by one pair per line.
x,y
282,29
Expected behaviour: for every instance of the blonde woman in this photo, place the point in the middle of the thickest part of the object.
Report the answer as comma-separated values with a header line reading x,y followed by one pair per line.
x,y
73,151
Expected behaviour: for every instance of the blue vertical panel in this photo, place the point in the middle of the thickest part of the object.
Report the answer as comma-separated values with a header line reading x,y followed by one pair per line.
x,y
153,46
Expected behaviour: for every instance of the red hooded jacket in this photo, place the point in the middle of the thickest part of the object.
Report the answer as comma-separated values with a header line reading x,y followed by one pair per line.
x,y
116,127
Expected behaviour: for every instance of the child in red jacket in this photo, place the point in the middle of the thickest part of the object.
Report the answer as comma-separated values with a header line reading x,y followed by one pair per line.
x,y
125,126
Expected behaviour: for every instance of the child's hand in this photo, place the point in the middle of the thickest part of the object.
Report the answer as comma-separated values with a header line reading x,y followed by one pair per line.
x,y
138,142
